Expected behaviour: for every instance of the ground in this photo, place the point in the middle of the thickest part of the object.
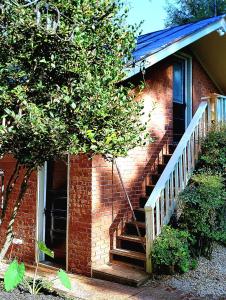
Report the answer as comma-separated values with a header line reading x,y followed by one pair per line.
x,y
208,281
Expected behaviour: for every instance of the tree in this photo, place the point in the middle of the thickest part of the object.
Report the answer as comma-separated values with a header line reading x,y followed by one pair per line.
x,y
187,11
60,65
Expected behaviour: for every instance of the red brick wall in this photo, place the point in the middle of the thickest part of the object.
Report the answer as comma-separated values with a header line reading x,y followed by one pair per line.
x,y
24,227
79,216
202,85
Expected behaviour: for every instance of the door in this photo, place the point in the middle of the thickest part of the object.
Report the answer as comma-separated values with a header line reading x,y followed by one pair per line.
x,y
179,102
53,220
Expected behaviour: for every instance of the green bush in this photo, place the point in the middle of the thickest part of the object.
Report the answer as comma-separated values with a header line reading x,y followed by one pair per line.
x,y
171,251
204,211
214,150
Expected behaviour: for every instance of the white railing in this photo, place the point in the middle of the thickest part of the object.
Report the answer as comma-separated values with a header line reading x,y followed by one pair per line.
x,y
162,201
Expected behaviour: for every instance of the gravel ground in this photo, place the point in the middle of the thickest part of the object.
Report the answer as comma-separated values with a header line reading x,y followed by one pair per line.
x,y
208,280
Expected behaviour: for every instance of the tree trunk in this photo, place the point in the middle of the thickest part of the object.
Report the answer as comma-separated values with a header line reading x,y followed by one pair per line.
x,y
8,190
9,236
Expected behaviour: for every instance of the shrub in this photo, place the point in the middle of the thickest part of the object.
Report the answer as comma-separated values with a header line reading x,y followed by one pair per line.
x,y
171,251
214,150
204,211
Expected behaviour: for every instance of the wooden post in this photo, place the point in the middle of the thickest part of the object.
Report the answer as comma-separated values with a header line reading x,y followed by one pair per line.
x,y
150,235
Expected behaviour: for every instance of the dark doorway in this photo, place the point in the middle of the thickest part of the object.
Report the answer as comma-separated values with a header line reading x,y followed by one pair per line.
x,y
56,211
179,103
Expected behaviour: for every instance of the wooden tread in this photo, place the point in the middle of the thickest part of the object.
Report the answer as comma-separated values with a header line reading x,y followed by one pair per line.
x,y
129,253
131,238
139,224
121,274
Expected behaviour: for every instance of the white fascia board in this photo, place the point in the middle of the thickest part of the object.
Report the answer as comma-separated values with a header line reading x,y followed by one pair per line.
x,y
171,49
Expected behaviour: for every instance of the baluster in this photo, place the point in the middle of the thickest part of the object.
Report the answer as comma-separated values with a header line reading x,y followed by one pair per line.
x,y
176,183
193,151
167,191
181,177
171,192
189,157
157,217
185,166
162,199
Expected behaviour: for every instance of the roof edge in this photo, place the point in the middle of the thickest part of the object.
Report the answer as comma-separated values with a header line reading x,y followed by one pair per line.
x,y
154,58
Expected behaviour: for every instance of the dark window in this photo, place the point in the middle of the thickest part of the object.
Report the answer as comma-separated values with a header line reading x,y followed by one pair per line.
x,y
178,82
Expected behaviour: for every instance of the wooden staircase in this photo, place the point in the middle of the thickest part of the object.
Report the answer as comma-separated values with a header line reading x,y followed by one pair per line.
x,y
130,247
130,251
128,263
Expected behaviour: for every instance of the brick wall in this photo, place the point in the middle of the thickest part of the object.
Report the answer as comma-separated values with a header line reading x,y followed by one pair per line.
x,y
202,85
24,227
79,216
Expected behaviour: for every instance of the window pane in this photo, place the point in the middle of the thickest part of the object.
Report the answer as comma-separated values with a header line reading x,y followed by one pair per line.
x,y
178,82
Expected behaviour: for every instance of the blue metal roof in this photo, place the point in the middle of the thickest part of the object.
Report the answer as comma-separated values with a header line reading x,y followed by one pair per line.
x,y
151,43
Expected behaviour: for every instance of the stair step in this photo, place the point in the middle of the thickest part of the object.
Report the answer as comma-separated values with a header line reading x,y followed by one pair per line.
x,y
131,229
129,253
143,201
155,178
171,148
161,168
131,238
149,189
139,224
166,158
140,214
120,273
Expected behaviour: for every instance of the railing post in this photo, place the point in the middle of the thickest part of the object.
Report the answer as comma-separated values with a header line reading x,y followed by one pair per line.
x,y
150,234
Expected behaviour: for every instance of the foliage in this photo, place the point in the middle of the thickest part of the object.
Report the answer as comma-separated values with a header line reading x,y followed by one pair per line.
x,y
58,90
64,278
42,247
187,11
15,274
61,64
213,154
171,251
203,203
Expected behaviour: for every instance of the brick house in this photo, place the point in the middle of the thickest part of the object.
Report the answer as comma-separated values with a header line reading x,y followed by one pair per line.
x,y
80,208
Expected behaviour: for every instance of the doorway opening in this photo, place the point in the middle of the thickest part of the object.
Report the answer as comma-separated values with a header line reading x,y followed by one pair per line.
x,y
53,203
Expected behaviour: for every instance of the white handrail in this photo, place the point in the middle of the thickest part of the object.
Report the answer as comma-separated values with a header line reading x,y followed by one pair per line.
x,y
162,201
175,157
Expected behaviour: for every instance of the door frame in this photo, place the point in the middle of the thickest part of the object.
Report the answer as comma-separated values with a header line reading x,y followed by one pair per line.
x,y
40,214
188,85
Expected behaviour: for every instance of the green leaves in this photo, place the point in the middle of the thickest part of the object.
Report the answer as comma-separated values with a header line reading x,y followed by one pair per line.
x,y
171,250
42,247
64,279
14,275
59,90
182,12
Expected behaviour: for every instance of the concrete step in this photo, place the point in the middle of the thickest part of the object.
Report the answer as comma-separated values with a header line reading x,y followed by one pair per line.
x,y
122,274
